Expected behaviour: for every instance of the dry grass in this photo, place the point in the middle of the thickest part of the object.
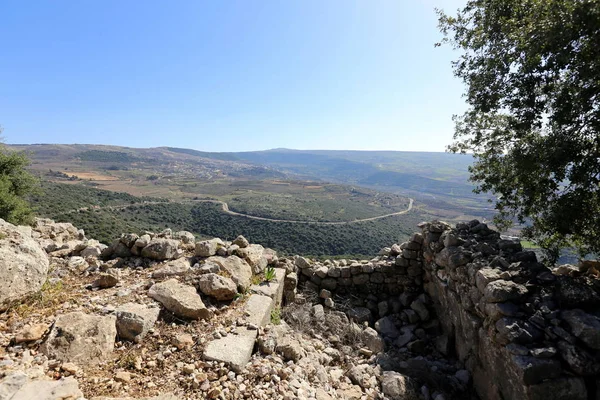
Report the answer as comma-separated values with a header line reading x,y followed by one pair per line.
x,y
301,317
46,302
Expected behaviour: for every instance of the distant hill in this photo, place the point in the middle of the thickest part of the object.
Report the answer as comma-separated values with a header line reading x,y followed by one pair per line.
x,y
438,180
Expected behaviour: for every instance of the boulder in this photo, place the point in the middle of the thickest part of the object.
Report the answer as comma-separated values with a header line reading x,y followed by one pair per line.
x,y
386,327
181,300
239,269
372,340
217,286
579,360
253,254
106,280
91,251
172,268
81,338
23,263
143,241
31,333
500,291
234,350
398,387
129,239
241,241
585,326
420,308
289,348
185,237
208,248
18,386
486,275
162,249
135,320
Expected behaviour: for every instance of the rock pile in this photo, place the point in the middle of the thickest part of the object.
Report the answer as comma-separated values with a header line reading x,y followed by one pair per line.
x,y
165,316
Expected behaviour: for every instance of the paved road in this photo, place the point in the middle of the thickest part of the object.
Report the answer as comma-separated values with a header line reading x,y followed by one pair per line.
x,y
225,209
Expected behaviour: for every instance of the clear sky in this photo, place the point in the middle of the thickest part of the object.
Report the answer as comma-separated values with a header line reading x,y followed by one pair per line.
x,y
228,75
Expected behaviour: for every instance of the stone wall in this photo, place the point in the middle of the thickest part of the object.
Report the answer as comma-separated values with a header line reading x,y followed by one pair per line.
x,y
523,330
397,269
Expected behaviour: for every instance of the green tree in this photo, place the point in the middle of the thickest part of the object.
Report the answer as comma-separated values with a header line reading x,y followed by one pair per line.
x,y
15,184
532,75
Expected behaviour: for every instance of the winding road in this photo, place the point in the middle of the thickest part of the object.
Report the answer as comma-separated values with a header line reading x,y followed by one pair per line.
x,y
225,209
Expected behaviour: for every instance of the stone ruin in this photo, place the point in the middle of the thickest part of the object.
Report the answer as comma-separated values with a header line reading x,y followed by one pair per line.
x,y
453,313
523,330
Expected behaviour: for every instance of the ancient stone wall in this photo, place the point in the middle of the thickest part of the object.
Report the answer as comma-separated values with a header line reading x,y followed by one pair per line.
x,y
523,330
397,269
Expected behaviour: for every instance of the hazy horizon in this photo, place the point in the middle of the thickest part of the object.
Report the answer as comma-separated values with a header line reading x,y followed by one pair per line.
x,y
237,151
228,77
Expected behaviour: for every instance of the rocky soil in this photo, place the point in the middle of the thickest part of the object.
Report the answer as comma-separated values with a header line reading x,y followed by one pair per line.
x,y
163,316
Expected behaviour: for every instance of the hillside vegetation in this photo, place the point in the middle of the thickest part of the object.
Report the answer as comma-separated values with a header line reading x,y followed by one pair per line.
x,y
102,213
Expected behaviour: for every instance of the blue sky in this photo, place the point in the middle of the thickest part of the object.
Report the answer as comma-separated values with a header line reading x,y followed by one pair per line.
x,y
228,75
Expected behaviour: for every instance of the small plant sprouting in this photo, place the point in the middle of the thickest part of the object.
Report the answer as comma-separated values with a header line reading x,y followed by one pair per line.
x,y
269,274
276,316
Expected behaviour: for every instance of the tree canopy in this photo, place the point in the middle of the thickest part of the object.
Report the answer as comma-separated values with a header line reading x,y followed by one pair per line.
x,y
532,75
15,184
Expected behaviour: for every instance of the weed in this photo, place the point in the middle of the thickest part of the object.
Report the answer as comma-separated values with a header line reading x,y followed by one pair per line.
x,y
49,298
276,316
257,279
269,274
127,361
224,273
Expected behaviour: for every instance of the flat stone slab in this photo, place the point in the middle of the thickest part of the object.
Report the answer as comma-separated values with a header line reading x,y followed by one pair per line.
x,y
182,300
135,320
258,309
81,338
273,289
18,386
234,350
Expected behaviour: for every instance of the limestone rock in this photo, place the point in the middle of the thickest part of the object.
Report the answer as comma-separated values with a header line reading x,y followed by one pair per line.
x,y
142,241
172,268
135,320
372,340
106,280
240,271
31,333
241,241
253,254
181,300
17,386
398,387
290,349
234,350
585,326
386,327
208,248
217,286
185,237
81,338
23,263
183,341
162,249
485,276
500,291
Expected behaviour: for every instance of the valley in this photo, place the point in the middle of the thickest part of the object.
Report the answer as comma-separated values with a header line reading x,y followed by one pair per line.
x,y
335,203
